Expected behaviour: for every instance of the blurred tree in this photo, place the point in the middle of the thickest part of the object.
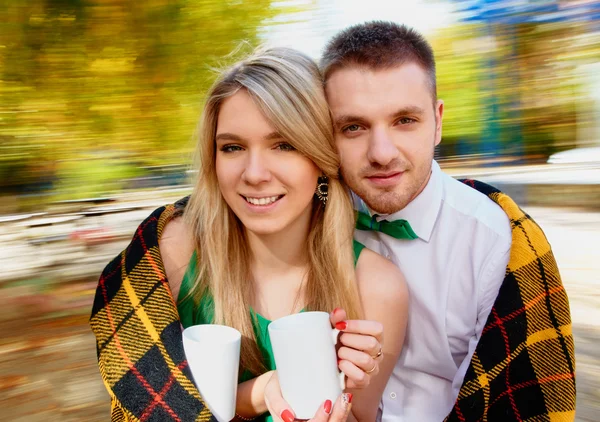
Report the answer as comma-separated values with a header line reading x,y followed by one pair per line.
x,y
517,83
460,71
87,83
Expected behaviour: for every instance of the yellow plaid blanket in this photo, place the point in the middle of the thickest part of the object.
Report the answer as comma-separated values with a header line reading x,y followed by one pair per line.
x,y
522,370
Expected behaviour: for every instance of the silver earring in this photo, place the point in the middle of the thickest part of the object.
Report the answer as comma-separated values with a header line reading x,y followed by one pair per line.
x,y
322,189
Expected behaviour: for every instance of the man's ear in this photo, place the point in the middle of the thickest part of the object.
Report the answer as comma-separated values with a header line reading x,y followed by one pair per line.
x,y
439,113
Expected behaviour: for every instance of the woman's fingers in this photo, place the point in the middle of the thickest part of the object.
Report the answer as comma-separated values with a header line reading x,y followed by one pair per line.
x,y
358,358
337,315
367,328
356,377
366,343
341,409
277,406
337,413
323,413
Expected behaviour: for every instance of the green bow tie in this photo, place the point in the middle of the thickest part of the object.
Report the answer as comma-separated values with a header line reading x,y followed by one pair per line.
x,y
400,229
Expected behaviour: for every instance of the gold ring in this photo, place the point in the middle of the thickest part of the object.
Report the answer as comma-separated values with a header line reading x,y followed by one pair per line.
x,y
379,353
374,366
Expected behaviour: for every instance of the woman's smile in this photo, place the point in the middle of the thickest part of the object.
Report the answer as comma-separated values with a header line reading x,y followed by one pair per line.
x,y
262,200
268,184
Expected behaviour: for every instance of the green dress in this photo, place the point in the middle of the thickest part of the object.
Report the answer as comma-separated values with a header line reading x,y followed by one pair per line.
x,y
203,313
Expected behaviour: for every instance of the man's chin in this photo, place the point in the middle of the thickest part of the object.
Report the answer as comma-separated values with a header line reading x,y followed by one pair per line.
x,y
386,203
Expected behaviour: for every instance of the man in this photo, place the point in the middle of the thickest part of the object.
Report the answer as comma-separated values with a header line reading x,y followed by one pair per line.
x,y
381,86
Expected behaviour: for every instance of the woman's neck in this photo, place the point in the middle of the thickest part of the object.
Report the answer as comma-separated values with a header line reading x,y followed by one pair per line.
x,y
279,264
278,253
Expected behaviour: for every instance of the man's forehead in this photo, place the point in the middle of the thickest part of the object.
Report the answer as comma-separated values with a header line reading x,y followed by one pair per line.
x,y
365,88
402,71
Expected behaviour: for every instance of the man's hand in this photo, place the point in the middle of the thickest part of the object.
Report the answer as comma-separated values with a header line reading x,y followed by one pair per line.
x,y
282,412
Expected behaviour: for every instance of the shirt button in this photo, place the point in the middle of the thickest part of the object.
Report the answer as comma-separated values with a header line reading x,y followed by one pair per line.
x,y
392,395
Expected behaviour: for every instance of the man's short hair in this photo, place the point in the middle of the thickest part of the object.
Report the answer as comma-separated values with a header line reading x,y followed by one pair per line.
x,y
379,45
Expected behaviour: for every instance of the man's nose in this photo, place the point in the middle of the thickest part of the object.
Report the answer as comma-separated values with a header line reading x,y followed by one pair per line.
x,y
381,150
257,169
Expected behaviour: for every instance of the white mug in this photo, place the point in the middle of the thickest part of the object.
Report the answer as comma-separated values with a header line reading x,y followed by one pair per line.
x,y
213,353
306,360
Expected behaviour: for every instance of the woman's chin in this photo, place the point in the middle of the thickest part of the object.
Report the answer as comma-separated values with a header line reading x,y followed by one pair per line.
x,y
266,229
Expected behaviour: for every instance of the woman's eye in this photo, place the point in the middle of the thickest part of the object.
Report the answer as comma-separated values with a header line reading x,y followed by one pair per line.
x,y
231,148
284,146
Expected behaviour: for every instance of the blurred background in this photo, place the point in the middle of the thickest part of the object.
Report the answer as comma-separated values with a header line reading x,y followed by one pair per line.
x,y
98,104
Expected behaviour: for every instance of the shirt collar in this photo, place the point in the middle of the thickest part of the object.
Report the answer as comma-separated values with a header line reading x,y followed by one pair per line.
x,y
422,212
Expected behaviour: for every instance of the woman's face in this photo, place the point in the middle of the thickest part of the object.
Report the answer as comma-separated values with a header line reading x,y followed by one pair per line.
x,y
266,182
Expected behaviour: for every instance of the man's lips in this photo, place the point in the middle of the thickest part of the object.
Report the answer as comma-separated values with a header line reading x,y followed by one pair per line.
x,y
385,179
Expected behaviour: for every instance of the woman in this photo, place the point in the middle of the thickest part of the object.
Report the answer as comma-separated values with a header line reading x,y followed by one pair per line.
x,y
268,232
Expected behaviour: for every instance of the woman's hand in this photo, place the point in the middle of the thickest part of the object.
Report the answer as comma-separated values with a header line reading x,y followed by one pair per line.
x,y
361,348
282,412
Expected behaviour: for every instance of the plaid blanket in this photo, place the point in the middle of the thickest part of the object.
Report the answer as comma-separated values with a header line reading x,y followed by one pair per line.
x,y
523,367
138,334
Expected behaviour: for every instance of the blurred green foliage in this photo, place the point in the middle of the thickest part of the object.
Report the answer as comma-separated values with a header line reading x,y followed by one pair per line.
x,y
92,89
519,88
95,92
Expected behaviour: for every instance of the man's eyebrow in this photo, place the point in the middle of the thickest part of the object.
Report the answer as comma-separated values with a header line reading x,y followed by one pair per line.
x,y
408,110
404,111
347,118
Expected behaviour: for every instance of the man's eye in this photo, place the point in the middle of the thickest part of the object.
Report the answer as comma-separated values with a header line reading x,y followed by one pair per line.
x,y
352,128
284,146
230,148
406,121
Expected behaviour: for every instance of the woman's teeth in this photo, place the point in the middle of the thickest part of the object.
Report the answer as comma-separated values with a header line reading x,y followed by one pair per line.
x,y
262,201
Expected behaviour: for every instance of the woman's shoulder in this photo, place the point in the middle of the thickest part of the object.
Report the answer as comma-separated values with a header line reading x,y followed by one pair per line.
x,y
379,279
176,246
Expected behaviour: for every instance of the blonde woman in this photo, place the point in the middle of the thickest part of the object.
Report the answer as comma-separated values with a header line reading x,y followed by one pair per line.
x,y
267,232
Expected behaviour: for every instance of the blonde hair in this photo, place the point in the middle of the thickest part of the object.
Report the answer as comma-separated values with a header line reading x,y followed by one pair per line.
x,y
286,85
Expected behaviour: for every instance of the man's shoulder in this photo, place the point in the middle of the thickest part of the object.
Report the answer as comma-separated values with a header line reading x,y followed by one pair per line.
x,y
475,205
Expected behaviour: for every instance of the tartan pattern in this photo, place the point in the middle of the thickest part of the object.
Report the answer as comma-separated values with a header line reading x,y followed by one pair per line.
x,y
523,368
138,335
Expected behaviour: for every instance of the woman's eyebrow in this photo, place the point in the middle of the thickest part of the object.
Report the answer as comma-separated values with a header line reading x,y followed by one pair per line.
x,y
273,136
226,136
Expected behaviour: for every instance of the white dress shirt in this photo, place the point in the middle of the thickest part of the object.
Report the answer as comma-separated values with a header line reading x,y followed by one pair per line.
x,y
454,271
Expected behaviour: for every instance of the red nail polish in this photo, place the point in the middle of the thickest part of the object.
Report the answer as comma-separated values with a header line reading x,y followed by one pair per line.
x,y
349,397
327,406
336,310
339,360
341,325
287,416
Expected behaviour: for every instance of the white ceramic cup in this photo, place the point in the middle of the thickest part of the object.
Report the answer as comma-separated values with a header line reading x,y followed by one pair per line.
x,y
213,353
306,360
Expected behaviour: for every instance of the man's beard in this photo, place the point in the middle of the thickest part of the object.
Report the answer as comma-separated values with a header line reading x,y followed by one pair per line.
x,y
382,200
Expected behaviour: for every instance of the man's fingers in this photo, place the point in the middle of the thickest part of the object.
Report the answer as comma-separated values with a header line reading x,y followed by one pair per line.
x,y
341,408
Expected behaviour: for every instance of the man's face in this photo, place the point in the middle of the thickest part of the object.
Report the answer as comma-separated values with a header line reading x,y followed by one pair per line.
x,y
386,129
